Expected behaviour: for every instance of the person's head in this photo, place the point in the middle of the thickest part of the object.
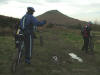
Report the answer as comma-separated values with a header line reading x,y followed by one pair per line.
x,y
89,23
30,10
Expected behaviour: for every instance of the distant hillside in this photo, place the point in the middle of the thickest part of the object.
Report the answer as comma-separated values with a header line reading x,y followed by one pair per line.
x,y
6,21
57,18
7,25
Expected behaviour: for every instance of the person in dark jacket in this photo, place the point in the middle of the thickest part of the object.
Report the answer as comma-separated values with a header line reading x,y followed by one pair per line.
x,y
86,36
27,24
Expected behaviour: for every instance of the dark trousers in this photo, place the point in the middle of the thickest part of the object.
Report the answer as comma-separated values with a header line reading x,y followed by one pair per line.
x,y
86,44
28,45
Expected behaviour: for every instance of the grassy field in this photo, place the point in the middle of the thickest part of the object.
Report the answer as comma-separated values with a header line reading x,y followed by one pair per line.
x,y
56,43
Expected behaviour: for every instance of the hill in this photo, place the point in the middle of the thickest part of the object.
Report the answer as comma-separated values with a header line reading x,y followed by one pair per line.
x,y
7,24
59,19
6,21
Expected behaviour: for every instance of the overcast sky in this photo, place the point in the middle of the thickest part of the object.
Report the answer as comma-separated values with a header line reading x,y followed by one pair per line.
x,y
87,10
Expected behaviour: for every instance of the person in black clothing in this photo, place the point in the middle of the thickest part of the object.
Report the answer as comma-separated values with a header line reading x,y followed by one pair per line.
x,y
86,36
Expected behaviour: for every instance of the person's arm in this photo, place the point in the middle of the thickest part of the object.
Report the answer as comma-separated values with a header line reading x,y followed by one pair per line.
x,y
36,22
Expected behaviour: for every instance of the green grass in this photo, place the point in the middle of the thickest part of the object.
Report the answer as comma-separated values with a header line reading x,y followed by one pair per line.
x,y
56,43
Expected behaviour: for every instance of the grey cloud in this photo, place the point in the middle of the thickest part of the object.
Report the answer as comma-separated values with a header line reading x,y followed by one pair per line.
x,y
3,1
92,6
95,5
23,1
29,1
56,1
53,0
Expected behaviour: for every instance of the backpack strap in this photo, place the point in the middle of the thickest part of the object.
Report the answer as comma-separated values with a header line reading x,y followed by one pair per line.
x,y
18,31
